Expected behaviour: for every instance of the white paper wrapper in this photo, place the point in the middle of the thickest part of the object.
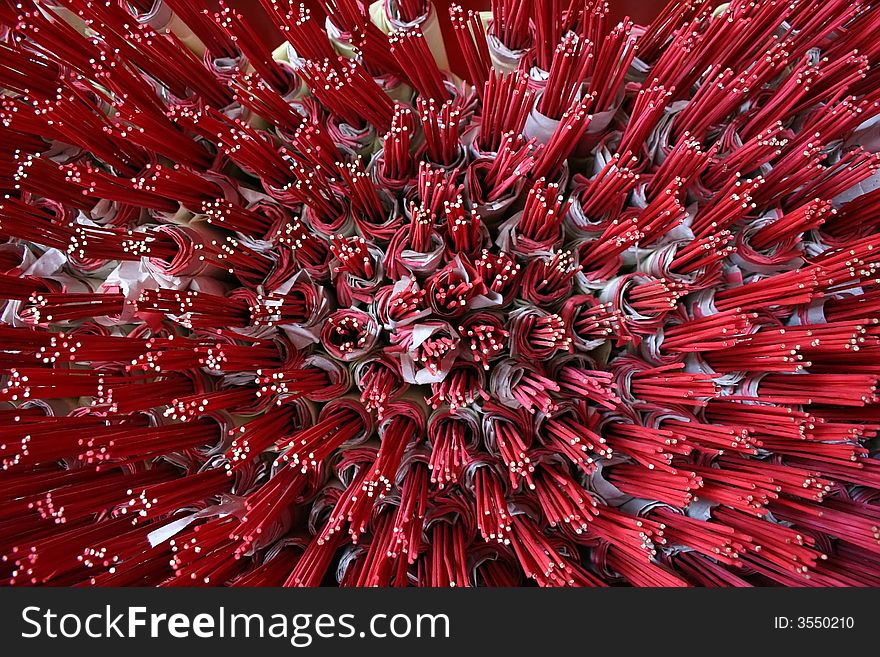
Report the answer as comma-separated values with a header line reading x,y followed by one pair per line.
x,y
487,300
131,278
538,78
229,506
286,53
770,262
640,507
657,143
303,335
351,290
509,241
423,263
48,265
815,312
158,16
503,58
185,266
416,373
398,287
866,135
505,376
539,127
384,14
338,39
339,375
605,490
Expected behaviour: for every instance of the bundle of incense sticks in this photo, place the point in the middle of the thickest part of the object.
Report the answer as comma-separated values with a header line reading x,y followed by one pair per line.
x,y
606,311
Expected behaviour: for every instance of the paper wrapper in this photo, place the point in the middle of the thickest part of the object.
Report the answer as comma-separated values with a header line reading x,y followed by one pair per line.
x,y
49,265
386,294
395,88
303,335
353,404
539,127
491,212
359,140
339,375
503,58
375,169
230,505
603,489
340,40
510,240
384,14
401,260
570,312
362,368
384,232
351,289
615,293
410,338
467,417
457,270
579,223
506,375
342,224
867,135
782,256
369,332
158,16
518,418
499,558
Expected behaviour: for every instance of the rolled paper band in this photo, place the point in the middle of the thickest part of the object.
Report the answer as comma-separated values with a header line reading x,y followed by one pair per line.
x,y
640,507
352,288
384,14
495,563
607,492
182,32
781,256
340,40
864,187
225,68
501,423
338,374
400,304
641,302
297,306
510,240
408,409
537,79
540,127
457,289
503,58
395,88
349,334
491,210
426,351
376,170
814,313
866,135
340,224
187,261
380,381
587,322
363,418
401,260
158,16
